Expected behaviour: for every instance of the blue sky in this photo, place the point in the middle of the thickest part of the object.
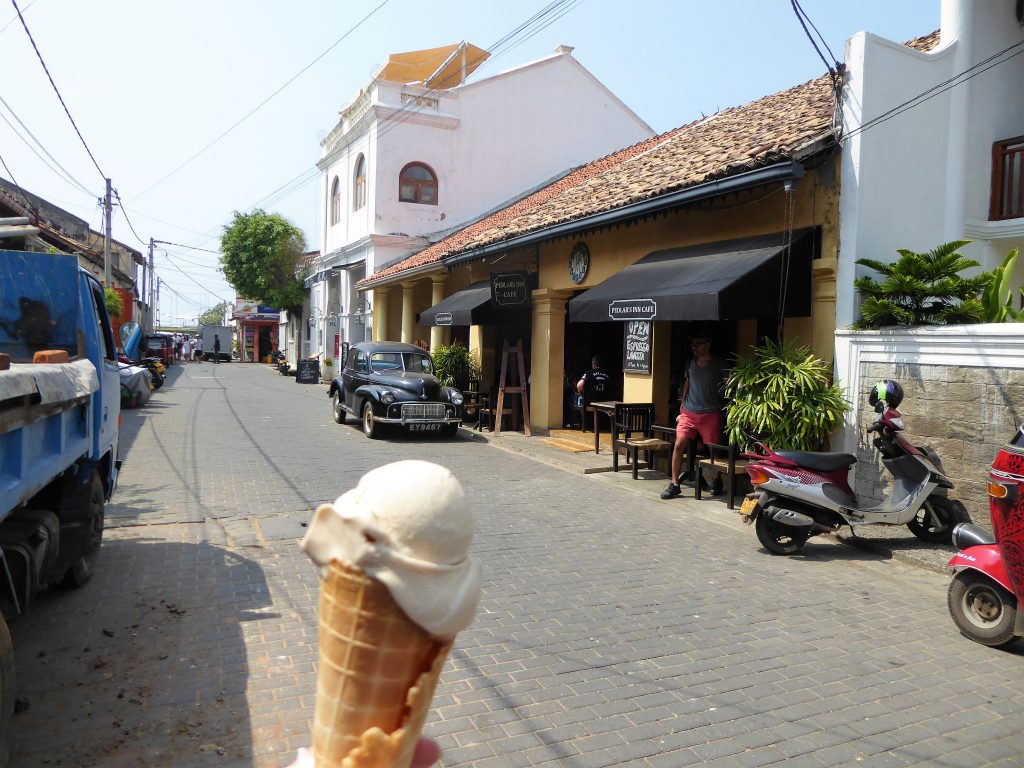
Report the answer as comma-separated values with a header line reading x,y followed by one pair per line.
x,y
151,84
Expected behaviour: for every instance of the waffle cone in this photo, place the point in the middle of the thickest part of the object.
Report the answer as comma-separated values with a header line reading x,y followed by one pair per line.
x,y
376,677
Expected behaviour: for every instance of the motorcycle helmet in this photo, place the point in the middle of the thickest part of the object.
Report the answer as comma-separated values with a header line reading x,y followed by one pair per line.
x,y
888,390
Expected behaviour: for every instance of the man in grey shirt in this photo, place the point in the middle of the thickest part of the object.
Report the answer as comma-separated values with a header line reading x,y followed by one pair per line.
x,y
700,415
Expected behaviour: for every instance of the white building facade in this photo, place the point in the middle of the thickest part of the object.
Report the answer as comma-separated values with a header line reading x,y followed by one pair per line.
x,y
926,132
420,152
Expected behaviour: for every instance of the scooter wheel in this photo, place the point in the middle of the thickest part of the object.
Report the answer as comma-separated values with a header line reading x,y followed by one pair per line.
x,y
981,609
779,538
937,518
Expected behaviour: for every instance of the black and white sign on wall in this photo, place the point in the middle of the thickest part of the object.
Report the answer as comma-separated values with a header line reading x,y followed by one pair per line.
x,y
632,309
443,318
636,350
510,289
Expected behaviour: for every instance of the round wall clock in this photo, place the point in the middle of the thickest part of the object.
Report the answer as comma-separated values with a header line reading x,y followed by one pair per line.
x,y
579,263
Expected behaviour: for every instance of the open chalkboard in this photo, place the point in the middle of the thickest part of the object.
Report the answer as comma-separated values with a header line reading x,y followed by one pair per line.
x,y
636,352
308,372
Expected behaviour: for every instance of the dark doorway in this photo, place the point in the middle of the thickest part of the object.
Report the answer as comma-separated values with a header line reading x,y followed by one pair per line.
x,y
582,342
723,345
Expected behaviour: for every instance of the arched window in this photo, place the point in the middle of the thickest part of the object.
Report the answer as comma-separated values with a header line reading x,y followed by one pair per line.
x,y
359,184
417,184
336,201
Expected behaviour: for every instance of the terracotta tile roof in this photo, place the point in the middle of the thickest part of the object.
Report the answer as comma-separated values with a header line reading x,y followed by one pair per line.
x,y
739,139
742,138
925,43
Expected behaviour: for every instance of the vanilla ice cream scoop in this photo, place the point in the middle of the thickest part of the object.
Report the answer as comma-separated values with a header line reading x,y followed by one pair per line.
x,y
408,525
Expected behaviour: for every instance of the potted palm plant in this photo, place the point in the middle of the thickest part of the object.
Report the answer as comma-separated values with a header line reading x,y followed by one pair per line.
x,y
783,396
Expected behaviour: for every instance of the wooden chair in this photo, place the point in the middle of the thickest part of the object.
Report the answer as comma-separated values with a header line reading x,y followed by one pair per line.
x,y
471,402
724,459
593,389
632,432
487,411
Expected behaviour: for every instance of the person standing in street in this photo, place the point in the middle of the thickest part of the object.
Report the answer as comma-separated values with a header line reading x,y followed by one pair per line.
x,y
216,348
700,415
197,353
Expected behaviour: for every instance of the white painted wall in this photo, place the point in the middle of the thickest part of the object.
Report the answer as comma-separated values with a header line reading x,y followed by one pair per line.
x,y
922,178
488,141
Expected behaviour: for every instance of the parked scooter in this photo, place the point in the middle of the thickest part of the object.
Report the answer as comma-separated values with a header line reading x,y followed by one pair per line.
x,y
281,363
799,494
989,582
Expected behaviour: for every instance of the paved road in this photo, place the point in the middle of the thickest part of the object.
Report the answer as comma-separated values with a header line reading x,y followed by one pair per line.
x,y
614,629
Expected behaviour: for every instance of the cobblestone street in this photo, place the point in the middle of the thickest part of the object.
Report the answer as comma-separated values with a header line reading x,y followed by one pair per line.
x,y
614,628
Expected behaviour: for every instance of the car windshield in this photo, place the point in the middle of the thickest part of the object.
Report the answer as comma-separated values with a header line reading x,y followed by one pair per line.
x,y
396,362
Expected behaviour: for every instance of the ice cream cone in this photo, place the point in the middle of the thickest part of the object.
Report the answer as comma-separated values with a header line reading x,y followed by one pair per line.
x,y
376,677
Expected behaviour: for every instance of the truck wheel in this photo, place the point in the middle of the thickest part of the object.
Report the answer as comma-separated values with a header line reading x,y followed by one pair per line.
x,y
6,690
80,573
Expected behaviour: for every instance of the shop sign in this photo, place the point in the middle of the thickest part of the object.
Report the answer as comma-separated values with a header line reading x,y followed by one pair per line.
x,y
308,372
632,309
510,289
636,352
319,277
443,318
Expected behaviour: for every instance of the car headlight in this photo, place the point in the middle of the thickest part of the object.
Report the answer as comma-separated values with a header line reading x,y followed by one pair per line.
x,y
387,397
456,398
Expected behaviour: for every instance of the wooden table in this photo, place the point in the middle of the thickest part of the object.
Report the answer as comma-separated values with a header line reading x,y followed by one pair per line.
x,y
606,407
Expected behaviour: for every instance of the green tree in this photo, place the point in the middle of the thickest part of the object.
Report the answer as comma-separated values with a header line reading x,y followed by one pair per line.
x,y
782,395
214,315
922,289
113,301
260,254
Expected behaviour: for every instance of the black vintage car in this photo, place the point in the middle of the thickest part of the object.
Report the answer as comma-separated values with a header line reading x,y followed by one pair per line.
x,y
385,382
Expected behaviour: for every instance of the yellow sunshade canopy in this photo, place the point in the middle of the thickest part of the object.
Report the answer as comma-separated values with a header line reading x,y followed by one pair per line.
x,y
443,67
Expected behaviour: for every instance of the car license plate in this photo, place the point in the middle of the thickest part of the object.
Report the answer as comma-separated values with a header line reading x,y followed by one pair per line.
x,y
431,427
748,506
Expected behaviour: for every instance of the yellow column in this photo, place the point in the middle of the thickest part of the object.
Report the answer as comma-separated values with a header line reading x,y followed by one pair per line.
x,y
438,334
547,367
380,313
408,315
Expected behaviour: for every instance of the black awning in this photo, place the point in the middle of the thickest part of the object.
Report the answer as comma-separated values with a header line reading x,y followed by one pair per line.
x,y
733,280
466,307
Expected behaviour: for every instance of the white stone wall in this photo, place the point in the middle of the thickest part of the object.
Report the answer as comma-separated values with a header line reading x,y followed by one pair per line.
x,y
964,390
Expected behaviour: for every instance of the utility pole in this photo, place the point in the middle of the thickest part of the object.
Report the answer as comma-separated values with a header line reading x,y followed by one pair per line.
x,y
156,306
106,237
152,278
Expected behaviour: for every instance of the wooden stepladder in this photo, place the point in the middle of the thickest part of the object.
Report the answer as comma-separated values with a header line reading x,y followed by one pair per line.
x,y
518,387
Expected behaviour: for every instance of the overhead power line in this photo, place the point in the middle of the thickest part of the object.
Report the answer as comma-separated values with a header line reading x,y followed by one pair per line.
x,y
958,79
536,23
57,90
63,173
263,103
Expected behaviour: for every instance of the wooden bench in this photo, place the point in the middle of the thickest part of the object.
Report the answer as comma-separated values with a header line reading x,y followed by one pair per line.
x,y
632,432
724,459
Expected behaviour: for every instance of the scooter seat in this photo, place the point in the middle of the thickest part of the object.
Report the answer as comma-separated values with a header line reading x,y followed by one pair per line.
x,y
824,462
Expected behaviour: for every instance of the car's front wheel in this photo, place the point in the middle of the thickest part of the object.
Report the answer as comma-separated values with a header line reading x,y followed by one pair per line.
x,y
339,412
370,427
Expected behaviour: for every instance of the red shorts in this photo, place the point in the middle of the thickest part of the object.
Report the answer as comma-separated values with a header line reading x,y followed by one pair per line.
x,y
707,426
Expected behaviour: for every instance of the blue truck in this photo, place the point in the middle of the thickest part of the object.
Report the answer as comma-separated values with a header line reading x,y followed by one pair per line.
x,y
60,410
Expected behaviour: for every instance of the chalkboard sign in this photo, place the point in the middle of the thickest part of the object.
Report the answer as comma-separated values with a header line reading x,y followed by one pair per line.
x,y
510,289
636,353
308,372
